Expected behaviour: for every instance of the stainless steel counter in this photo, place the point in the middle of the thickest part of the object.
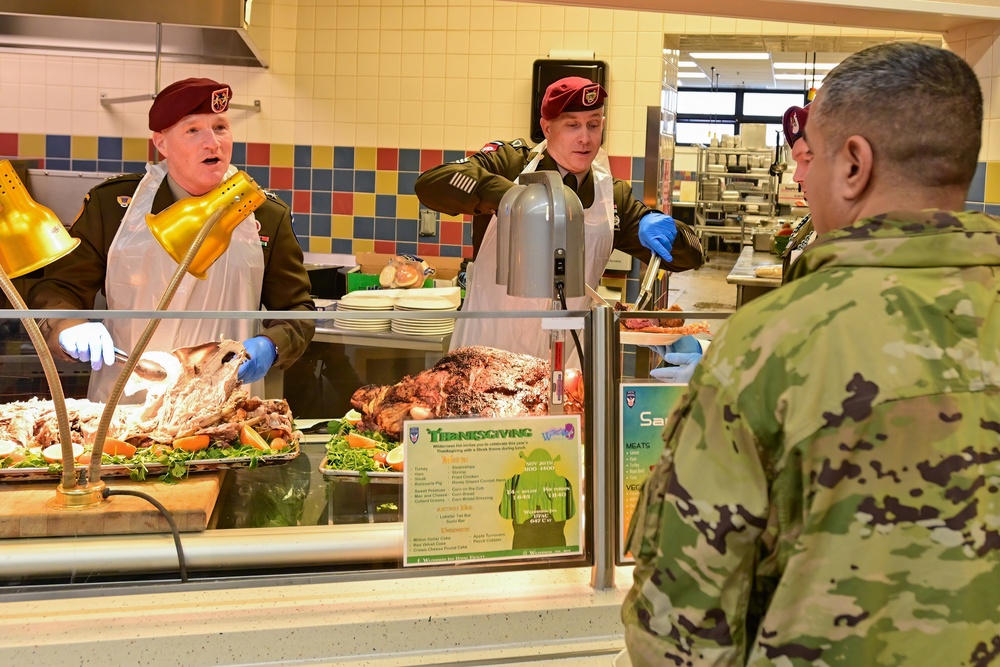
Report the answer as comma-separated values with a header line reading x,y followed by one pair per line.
x,y
748,285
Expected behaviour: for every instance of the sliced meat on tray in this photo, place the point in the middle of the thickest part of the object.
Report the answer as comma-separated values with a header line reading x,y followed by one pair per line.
x,y
470,381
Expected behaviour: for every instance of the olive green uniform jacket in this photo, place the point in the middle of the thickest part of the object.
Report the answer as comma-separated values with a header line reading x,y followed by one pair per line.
x,y
74,281
476,184
829,493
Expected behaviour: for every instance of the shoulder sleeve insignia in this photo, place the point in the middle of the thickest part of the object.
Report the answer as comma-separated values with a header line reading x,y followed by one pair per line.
x,y
517,143
490,147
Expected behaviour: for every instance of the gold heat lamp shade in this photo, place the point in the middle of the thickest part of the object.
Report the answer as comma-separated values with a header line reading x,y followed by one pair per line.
x,y
177,226
32,234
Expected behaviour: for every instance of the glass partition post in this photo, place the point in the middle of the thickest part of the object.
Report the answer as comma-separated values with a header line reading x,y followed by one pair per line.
x,y
602,399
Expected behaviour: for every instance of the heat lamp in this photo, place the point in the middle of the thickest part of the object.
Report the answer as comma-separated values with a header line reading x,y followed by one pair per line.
x,y
195,232
34,237
540,253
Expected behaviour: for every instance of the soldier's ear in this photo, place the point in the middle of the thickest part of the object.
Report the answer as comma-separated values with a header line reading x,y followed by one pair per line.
x,y
158,143
546,126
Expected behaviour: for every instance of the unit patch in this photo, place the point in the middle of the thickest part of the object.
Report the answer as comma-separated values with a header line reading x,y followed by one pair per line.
x,y
490,147
220,100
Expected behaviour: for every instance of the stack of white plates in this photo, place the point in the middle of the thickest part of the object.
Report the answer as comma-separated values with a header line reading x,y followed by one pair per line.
x,y
365,302
425,327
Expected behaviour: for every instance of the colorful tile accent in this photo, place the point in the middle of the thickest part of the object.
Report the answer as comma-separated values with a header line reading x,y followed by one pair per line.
x,y
344,199
8,144
992,189
322,157
83,148
282,155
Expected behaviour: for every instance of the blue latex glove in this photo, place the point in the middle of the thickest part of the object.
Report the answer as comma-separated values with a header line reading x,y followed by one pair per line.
x,y
263,354
657,232
685,344
684,353
683,367
89,341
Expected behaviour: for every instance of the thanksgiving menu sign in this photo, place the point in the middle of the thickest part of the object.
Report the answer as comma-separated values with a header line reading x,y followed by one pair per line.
x,y
492,489
644,411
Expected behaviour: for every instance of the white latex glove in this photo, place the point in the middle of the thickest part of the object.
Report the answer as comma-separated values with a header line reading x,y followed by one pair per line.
x,y
89,342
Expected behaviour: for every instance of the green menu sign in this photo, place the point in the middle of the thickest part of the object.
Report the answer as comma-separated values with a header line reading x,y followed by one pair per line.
x,y
492,489
645,407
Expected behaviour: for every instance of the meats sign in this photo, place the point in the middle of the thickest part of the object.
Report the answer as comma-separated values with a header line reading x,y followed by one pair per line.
x,y
492,489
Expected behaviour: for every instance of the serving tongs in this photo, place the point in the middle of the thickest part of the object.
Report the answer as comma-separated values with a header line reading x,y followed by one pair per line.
x,y
147,369
645,296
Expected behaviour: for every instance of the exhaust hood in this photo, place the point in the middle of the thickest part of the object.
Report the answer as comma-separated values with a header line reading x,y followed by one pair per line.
x,y
212,32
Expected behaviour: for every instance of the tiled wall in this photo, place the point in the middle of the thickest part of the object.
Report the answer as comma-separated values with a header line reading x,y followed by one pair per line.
x,y
344,199
980,46
350,83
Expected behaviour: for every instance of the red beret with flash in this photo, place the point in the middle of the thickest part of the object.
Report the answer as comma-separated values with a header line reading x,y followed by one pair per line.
x,y
185,97
573,93
794,123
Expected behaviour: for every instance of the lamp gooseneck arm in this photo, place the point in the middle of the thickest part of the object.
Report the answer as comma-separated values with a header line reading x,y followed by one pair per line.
x,y
51,376
94,474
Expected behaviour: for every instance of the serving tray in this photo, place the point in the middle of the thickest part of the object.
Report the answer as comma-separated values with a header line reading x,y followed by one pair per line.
x,y
374,477
152,469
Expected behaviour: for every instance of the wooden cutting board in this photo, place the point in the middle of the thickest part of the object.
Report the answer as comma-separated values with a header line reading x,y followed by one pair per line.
x,y
24,513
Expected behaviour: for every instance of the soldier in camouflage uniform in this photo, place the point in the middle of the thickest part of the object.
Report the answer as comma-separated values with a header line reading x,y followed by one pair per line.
x,y
829,493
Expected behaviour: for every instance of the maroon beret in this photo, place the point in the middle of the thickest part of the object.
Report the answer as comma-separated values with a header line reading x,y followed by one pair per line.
x,y
794,123
187,97
573,93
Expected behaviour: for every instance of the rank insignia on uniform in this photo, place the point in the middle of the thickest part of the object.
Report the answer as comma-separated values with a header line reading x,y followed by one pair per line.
x,y
590,94
463,183
123,200
220,100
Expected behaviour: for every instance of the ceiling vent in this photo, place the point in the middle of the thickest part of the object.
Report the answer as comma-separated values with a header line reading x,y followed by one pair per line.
x,y
212,32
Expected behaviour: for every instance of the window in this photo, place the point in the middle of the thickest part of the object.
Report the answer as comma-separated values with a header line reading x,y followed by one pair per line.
x,y
702,113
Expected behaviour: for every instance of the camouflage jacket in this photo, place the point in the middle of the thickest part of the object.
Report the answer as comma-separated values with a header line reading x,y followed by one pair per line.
x,y
829,493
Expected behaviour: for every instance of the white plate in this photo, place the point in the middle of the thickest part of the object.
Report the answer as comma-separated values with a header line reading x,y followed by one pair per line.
x,y
648,338
362,325
422,330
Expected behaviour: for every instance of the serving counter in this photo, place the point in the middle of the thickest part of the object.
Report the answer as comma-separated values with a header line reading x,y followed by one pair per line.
x,y
749,285
327,545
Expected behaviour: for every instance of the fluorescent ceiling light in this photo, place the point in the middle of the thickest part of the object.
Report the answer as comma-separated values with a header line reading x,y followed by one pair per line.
x,y
756,55
691,75
795,76
687,63
826,66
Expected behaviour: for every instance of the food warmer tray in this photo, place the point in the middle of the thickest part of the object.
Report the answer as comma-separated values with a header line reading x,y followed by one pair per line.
x,y
355,476
153,470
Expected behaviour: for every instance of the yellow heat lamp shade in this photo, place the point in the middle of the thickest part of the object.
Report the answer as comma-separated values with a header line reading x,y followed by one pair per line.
x,y
31,235
177,226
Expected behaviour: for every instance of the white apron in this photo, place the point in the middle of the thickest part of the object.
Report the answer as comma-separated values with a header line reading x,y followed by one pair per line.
x,y
484,294
138,273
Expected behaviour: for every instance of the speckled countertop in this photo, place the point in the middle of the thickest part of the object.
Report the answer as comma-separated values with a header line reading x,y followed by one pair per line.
x,y
404,621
